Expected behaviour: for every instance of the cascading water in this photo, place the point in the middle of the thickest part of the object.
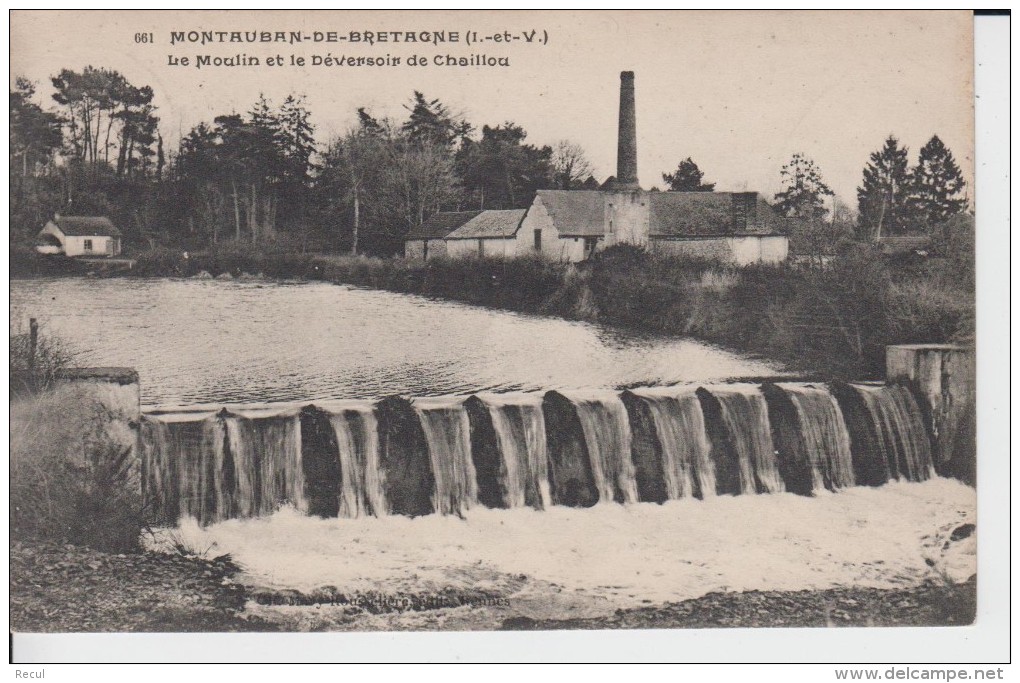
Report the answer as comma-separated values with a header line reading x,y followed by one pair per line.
x,y
448,433
606,428
746,418
357,436
680,429
824,433
447,454
519,424
184,466
266,448
902,438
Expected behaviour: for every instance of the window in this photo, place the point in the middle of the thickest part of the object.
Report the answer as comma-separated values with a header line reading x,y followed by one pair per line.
x,y
538,240
88,245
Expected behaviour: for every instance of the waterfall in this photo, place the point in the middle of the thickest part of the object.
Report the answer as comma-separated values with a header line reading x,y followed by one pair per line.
x,y
266,448
680,429
579,448
448,433
606,430
824,435
186,471
902,438
519,424
357,437
745,416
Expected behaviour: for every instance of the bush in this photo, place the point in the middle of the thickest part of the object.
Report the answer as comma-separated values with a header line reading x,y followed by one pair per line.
x,y
25,261
160,262
70,481
36,369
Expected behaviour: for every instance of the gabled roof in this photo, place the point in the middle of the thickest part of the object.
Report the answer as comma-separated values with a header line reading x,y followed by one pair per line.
x,y
490,224
441,225
711,214
575,213
87,226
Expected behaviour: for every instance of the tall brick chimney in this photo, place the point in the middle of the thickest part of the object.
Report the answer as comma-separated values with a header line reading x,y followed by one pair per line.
x,y
626,150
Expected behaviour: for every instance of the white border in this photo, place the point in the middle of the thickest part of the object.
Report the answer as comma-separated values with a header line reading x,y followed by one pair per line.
x,y
986,641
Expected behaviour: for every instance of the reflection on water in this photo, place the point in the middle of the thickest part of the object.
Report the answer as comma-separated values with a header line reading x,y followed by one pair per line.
x,y
199,341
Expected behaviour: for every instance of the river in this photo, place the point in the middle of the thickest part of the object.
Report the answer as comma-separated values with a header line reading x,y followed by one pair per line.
x,y
201,341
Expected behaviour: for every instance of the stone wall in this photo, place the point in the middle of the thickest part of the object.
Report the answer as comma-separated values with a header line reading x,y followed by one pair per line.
x,y
943,377
118,392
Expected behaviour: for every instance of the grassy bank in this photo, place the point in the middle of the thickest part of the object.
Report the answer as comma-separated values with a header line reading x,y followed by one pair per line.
x,y
835,320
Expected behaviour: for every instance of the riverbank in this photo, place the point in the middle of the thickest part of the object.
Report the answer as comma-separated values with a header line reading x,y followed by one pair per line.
x,y
64,588
836,321
69,589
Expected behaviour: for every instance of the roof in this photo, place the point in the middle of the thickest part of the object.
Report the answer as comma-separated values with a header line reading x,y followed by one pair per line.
x,y
904,244
490,224
712,214
575,213
440,225
87,226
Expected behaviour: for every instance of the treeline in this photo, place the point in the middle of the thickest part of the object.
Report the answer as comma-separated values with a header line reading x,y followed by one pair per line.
x,y
894,198
262,175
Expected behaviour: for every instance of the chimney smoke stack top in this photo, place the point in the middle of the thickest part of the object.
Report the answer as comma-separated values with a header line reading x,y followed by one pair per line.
x,y
626,150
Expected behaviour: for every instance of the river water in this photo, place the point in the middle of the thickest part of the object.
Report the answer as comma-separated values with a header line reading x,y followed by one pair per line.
x,y
201,341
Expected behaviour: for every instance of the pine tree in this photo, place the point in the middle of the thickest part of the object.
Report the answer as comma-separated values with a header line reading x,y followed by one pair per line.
x,y
883,195
687,178
937,184
803,191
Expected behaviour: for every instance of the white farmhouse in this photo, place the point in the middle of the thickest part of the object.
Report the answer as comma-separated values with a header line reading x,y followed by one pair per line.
x,y
79,236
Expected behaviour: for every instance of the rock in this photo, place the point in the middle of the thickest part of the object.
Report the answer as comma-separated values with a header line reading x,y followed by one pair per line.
x,y
961,532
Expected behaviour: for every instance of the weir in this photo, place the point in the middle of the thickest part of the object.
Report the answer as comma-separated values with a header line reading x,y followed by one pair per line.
x,y
448,454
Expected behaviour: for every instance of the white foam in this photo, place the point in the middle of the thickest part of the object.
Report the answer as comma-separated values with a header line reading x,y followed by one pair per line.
x,y
877,537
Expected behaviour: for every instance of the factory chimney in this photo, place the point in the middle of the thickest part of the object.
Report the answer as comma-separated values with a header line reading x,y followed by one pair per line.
x,y
626,151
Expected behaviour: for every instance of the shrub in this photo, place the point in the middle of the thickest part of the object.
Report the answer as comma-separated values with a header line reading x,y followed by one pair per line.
x,y
25,261
37,368
160,262
70,481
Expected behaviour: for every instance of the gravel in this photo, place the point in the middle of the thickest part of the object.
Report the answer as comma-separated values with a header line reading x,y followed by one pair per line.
x,y
66,588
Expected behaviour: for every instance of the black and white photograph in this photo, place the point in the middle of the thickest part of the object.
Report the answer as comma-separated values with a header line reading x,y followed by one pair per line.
x,y
447,321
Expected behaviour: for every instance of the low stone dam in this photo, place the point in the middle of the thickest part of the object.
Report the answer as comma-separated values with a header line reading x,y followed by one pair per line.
x,y
448,454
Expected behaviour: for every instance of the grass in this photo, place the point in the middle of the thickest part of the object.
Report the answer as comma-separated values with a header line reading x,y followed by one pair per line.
x,y
70,480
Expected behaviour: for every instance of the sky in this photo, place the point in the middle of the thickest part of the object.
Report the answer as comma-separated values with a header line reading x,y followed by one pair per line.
x,y
738,91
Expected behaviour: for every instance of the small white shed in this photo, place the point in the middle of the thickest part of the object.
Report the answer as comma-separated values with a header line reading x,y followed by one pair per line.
x,y
79,236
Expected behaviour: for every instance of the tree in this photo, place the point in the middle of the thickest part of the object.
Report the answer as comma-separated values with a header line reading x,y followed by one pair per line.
x,y
687,178
501,171
570,165
883,195
95,101
936,184
417,181
803,190
35,135
431,122
351,172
